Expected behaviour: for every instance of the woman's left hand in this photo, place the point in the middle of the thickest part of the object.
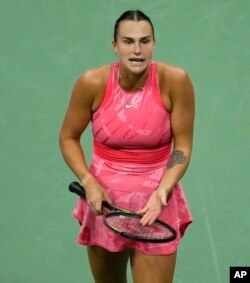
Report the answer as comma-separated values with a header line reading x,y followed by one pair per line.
x,y
154,206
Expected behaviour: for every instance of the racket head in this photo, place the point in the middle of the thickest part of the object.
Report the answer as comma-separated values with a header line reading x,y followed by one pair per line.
x,y
128,226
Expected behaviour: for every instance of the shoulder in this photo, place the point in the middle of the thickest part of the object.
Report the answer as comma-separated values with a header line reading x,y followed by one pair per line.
x,y
94,79
90,86
171,74
175,84
174,79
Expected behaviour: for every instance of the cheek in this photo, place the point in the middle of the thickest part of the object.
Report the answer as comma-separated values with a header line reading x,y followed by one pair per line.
x,y
122,51
149,51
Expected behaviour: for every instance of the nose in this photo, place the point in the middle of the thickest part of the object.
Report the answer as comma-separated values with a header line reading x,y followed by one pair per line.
x,y
137,48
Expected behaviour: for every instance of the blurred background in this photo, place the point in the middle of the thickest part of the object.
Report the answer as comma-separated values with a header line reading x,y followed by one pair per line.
x,y
45,46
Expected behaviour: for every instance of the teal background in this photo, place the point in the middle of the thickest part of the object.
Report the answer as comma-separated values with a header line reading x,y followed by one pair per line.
x,y
45,46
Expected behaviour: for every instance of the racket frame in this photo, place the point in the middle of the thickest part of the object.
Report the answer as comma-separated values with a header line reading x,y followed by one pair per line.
x,y
76,188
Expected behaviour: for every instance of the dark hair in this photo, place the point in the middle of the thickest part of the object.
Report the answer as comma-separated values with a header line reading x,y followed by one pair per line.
x,y
134,15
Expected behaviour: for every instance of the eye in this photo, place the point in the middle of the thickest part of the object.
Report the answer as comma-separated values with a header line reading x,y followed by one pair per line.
x,y
128,41
145,41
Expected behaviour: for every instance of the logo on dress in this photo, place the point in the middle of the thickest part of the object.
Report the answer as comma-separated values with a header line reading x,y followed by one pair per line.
x,y
130,105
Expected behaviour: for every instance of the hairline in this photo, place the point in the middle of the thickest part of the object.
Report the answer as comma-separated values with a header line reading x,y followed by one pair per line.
x,y
132,15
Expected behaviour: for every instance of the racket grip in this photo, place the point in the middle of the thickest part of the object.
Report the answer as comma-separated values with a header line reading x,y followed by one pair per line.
x,y
76,188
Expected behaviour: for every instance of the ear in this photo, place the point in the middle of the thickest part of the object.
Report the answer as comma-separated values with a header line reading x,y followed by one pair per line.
x,y
114,47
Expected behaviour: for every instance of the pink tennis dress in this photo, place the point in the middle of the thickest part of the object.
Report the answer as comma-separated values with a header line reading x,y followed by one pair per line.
x,y
132,146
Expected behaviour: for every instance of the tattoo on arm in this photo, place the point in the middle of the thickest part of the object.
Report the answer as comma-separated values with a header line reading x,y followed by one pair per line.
x,y
177,157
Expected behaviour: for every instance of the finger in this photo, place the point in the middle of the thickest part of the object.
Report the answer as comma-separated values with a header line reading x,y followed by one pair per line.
x,y
98,207
146,219
108,199
143,210
95,207
152,220
92,208
150,216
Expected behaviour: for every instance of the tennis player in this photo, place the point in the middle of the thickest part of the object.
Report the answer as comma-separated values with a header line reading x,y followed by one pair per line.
x,y
142,116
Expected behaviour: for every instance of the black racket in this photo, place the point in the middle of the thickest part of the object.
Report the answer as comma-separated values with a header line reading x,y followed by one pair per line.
x,y
127,223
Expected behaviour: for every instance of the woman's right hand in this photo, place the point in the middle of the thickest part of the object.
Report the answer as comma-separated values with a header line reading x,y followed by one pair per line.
x,y
95,194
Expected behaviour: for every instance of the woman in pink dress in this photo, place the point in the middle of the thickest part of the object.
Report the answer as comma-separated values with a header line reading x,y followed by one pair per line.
x,y
142,115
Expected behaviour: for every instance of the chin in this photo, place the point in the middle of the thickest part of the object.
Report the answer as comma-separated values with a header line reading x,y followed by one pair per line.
x,y
137,69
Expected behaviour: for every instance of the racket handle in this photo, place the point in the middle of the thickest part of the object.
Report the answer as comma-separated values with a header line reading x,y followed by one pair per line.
x,y
76,188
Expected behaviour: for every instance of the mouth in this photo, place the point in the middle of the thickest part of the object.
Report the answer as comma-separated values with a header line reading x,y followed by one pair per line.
x,y
136,60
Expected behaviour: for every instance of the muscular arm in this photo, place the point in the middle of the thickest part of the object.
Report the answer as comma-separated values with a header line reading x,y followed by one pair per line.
x,y
86,96
182,123
180,103
76,120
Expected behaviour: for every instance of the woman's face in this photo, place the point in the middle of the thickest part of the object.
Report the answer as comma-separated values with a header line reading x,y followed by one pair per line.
x,y
134,45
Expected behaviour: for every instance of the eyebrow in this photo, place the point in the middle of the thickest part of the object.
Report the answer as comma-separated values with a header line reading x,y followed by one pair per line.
x,y
130,38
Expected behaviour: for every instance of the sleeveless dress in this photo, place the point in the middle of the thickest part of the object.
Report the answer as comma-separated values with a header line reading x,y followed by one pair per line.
x,y
132,145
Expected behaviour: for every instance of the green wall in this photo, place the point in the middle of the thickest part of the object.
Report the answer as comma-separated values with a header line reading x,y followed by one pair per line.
x,y
45,46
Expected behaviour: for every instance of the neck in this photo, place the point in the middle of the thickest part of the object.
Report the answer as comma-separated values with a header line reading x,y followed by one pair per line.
x,y
133,82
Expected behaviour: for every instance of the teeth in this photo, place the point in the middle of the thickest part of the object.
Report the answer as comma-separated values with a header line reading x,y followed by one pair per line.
x,y
136,60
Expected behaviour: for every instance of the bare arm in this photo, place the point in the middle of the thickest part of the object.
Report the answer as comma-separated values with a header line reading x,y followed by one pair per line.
x,y
182,123
77,118
181,96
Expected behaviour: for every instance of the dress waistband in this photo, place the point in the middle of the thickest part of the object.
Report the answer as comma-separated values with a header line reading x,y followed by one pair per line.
x,y
140,156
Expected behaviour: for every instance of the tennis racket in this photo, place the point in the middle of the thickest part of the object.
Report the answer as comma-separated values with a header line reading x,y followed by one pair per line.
x,y
127,223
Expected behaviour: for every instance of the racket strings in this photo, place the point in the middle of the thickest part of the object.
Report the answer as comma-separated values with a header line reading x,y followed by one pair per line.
x,y
132,226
